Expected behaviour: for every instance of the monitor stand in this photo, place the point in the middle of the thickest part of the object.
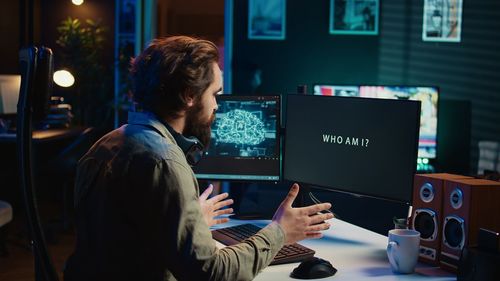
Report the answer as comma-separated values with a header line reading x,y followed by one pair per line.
x,y
238,192
303,199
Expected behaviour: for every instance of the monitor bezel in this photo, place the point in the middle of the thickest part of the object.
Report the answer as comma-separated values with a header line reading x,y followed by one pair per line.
x,y
341,190
279,137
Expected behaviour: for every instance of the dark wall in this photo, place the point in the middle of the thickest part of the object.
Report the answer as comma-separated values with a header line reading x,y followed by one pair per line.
x,y
308,55
10,36
467,73
203,19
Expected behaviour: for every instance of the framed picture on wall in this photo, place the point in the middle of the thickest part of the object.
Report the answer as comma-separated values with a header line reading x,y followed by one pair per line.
x,y
356,17
442,20
266,19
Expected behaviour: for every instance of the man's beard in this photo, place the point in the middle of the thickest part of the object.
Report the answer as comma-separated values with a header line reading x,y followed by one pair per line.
x,y
197,127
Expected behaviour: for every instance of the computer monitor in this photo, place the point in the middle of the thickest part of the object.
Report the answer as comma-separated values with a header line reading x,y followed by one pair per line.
x,y
356,145
9,93
335,90
427,95
245,142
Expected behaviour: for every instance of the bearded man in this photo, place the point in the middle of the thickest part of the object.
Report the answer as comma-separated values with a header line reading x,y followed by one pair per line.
x,y
139,215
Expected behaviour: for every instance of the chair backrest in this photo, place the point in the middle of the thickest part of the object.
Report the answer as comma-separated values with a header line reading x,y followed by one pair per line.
x,y
36,74
43,83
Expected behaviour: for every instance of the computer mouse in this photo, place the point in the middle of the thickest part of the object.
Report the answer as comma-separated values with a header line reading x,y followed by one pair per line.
x,y
313,268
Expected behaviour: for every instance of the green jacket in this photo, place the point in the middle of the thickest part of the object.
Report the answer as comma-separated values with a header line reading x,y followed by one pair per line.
x,y
138,216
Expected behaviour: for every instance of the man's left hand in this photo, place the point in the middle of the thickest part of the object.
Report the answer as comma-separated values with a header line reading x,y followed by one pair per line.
x,y
212,208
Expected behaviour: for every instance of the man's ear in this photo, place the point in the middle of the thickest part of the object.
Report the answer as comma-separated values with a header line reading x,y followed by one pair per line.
x,y
188,100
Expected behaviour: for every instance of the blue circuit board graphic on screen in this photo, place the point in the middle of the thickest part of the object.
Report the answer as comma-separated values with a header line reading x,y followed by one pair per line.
x,y
240,127
245,129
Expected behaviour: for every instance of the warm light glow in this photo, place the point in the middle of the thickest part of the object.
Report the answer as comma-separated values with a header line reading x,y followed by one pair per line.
x,y
77,2
64,78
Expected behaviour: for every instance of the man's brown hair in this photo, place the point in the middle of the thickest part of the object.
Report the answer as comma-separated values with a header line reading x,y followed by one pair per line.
x,y
169,71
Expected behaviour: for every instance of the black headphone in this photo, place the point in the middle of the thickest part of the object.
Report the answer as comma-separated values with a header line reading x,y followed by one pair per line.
x,y
191,146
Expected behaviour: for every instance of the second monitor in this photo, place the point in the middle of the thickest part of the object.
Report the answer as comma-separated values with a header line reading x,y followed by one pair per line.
x,y
355,145
245,142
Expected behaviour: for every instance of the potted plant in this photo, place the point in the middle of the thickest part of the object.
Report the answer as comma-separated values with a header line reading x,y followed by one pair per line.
x,y
81,52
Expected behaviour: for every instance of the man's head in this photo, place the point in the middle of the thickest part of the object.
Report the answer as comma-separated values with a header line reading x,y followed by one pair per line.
x,y
178,77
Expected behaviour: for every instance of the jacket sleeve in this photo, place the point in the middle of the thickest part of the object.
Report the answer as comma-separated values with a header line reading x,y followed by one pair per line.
x,y
192,253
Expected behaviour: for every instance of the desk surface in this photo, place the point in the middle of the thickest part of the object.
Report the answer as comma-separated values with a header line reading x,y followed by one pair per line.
x,y
357,254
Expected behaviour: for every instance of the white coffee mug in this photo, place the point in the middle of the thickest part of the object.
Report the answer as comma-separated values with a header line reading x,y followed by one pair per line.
x,y
402,249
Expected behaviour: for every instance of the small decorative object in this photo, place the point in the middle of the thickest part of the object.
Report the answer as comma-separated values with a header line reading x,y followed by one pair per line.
x,y
355,17
266,19
400,223
59,116
442,20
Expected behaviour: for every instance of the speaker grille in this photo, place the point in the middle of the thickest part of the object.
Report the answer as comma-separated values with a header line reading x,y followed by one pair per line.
x,y
454,232
425,222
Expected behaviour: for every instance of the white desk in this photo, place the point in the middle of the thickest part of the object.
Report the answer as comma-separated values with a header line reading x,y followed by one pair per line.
x,y
357,253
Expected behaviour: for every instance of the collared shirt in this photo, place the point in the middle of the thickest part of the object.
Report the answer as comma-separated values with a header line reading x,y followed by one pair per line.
x,y
138,215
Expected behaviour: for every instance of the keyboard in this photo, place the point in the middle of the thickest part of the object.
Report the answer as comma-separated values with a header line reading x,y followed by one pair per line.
x,y
235,234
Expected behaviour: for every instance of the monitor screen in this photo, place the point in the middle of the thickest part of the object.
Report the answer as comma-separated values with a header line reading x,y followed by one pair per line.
x,y
428,96
245,143
9,93
360,146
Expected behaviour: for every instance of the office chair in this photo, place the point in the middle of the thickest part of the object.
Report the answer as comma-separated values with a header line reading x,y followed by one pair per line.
x,y
36,66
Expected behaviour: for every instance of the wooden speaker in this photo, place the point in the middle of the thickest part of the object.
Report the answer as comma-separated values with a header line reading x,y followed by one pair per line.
x,y
468,205
427,210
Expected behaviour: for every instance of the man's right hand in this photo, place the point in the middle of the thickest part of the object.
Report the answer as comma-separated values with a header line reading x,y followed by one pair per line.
x,y
301,223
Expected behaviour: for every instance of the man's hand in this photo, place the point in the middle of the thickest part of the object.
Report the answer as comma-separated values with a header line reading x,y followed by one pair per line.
x,y
211,208
301,223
